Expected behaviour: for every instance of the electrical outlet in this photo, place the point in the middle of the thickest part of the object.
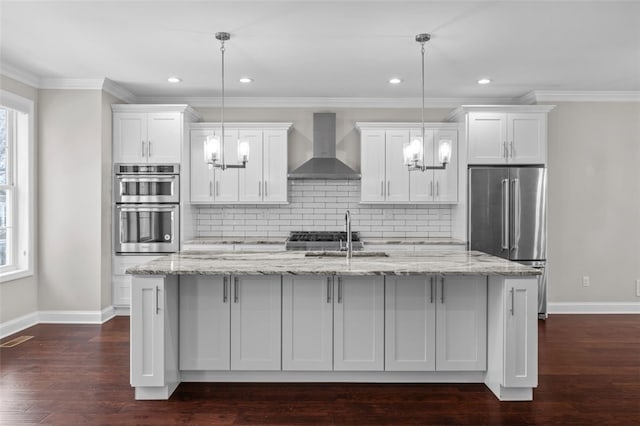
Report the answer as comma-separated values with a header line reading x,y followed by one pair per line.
x,y
585,281
637,288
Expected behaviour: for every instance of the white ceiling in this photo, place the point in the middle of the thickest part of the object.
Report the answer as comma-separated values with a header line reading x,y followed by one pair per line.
x,y
341,49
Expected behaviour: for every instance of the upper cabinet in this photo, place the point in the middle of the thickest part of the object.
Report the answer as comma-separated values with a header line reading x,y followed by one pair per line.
x,y
262,181
149,133
385,177
505,134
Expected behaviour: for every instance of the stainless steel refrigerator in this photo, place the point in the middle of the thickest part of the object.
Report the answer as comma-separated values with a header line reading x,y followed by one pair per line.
x,y
507,217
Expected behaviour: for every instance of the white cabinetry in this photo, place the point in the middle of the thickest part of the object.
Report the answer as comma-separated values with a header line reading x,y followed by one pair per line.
x,y
256,323
358,323
333,323
149,133
505,134
230,323
205,323
461,318
521,334
211,185
121,281
435,323
307,323
385,177
512,371
154,332
264,180
437,186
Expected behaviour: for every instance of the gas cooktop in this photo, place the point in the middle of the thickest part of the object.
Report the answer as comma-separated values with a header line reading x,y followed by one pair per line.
x,y
321,240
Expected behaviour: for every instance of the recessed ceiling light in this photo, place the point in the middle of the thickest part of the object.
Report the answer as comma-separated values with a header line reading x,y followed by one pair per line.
x,y
484,81
395,80
246,80
174,79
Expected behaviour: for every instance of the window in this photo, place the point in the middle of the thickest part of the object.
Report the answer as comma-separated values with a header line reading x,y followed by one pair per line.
x,y
16,186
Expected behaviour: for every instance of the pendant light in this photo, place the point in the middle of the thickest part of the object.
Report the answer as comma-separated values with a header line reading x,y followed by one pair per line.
x,y
214,145
413,151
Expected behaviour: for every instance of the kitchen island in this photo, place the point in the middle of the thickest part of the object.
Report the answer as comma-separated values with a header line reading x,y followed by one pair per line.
x,y
431,317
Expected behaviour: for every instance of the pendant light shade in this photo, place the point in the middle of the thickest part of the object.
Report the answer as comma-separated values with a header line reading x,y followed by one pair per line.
x,y
413,152
214,145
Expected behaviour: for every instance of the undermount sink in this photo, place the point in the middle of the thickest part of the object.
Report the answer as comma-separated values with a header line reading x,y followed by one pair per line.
x,y
344,254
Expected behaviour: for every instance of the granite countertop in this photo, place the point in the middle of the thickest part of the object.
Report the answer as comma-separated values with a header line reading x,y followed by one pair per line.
x,y
439,262
282,240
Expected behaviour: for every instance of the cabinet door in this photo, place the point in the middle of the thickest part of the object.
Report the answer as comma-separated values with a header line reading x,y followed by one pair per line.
x,y
487,137
461,318
446,181
275,183
226,181
250,178
397,184
527,138
372,166
359,323
307,323
410,323
421,184
129,137
205,320
201,177
164,137
147,331
521,334
256,323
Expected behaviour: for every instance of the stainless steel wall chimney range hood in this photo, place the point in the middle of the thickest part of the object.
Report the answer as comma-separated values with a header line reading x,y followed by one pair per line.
x,y
324,164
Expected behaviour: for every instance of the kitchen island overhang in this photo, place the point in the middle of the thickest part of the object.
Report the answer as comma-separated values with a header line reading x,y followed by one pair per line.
x,y
180,301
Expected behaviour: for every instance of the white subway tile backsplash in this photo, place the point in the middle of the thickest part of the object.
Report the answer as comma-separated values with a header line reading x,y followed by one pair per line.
x,y
319,205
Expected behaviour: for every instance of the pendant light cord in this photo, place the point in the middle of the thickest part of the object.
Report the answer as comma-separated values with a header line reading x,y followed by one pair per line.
x,y
222,111
422,44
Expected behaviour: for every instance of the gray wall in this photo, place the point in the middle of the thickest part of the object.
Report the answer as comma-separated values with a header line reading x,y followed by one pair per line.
x,y
594,201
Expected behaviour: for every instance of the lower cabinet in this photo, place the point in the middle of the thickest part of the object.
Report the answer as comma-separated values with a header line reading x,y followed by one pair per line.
x,y
154,331
435,323
333,323
521,333
230,322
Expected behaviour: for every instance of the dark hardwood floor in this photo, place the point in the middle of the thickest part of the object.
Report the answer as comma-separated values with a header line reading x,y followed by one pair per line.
x,y
79,374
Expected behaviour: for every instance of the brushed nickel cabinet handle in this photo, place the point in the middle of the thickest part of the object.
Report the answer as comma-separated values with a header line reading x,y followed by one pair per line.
x,y
265,188
388,188
224,290
513,301
437,188
431,290
339,290
259,188
442,290
217,188
236,296
157,302
149,148
328,289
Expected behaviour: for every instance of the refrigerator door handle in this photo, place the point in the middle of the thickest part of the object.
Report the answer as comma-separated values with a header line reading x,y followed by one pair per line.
x,y
516,213
505,214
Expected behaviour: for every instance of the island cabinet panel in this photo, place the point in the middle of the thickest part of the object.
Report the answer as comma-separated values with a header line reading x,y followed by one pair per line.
x,y
256,322
461,318
154,331
359,323
205,323
410,323
435,323
521,333
307,323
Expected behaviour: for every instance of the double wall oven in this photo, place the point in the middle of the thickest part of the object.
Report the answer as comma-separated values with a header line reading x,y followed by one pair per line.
x,y
147,208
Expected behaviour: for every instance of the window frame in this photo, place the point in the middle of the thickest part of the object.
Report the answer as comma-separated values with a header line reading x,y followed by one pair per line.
x,y
20,186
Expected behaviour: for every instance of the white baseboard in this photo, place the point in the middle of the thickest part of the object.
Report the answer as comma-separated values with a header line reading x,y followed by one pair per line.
x,y
122,311
56,317
594,308
15,325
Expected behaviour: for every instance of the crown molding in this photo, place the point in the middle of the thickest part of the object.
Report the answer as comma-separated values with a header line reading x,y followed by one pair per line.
x,y
20,75
118,91
72,83
323,102
581,96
